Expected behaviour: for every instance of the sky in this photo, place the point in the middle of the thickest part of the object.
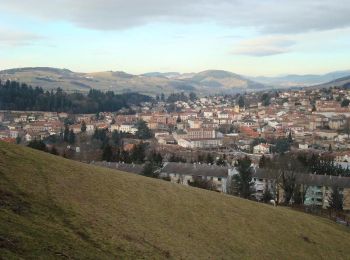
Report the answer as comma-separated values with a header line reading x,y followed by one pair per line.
x,y
249,37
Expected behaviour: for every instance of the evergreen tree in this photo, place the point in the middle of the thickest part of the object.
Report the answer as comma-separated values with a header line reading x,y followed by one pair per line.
x,y
116,138
83,127
336,199
155,158
107,154
243,180
38,145
138,153
66,133
150,170
193,96
143,132
210,159
241,102
71,137
125,156
178,120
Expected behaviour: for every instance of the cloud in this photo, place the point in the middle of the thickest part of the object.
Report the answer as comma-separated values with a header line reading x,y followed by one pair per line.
x,y
264,46
268,16
13,38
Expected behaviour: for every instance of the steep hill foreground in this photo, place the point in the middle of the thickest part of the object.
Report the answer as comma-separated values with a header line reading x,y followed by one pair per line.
x,y
55,208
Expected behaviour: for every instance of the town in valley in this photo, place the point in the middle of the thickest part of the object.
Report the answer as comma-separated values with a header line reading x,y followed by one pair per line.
x,y
201,141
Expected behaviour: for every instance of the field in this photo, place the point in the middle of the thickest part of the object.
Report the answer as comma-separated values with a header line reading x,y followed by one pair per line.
x,y
51,208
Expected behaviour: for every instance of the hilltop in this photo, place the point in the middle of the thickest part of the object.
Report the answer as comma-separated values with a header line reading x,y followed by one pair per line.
x,y
51,207
301,80
341,82
206,82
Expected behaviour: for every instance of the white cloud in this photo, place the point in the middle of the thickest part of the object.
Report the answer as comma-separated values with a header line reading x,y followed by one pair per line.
x,y
269,16
13,38
264,46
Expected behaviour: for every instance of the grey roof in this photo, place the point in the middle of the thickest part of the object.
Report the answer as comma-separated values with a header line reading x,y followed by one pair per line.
x,y
323,180
308,179
125,167
195,169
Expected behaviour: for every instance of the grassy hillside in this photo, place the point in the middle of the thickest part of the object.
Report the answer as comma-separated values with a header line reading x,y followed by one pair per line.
x,y
55,208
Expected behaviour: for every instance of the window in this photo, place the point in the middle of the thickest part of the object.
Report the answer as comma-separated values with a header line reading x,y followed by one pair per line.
x,y
219,179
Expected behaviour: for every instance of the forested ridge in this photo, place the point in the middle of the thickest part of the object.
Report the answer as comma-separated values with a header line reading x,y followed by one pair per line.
x,y
20,96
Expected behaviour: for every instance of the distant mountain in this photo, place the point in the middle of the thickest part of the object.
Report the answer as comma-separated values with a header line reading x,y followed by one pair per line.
x,y
168,75
341,82
301,80
224,80
206,82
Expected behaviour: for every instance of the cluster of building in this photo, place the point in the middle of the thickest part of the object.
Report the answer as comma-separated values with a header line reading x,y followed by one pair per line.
x,y
313,119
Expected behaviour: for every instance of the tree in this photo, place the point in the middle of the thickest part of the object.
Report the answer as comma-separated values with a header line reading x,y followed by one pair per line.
x,y
345,103
16,96
267,196
290,138
71,137
138,153
202,183
336,199
178,119
66,133
210,159
54,150
243,180
264,161
38,145
330,149
285,169
117,138
107,154
220,162
125,156
150,170
18,140
282,145
265,99
143,132
347,127
83,127
241,102
155,158
299,194
193,96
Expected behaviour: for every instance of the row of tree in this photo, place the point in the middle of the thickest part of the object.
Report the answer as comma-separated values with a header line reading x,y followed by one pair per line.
x,y
16,96
286,171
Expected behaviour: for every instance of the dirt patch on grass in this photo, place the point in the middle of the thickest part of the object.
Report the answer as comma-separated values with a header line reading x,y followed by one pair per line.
x,y
9,244
14,203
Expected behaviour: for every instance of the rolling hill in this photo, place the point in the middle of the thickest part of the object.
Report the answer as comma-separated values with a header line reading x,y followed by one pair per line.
x,y
341,82
52,208
207,82
301,80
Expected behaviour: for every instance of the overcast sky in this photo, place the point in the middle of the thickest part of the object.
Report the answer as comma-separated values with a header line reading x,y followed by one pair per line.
x,y
251,37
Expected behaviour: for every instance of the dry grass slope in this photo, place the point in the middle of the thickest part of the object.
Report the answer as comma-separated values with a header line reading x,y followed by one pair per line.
x,y
55,208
